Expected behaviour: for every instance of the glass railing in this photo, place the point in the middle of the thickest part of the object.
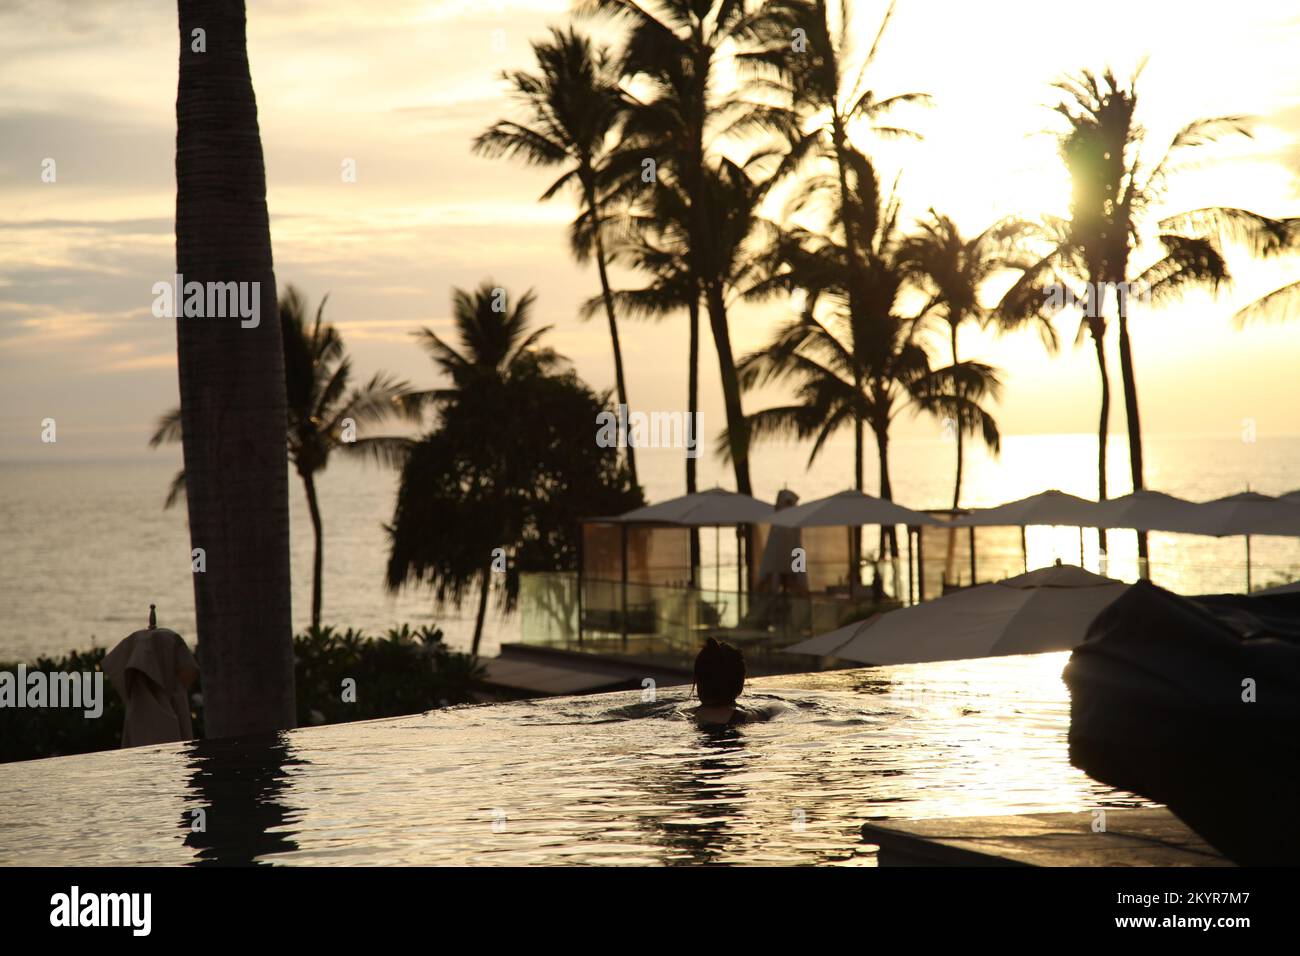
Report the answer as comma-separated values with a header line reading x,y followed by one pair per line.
x,y
669,623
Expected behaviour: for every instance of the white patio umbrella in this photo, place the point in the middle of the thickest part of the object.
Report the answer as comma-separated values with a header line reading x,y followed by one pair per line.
x,y
1249,513
1049,609
704,509
849,508
1148,511
1045,508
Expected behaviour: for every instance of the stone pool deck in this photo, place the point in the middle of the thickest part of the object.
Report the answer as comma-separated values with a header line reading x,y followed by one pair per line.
x,y
1145,837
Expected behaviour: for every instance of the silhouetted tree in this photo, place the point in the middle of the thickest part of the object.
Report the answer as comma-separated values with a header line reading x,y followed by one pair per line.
x,y
324,415
574,106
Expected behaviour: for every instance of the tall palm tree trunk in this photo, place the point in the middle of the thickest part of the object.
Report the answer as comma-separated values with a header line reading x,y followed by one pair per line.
x,y
619,382
736,425
1129,381
961,451
318,558
888,536
859,466
232,385
482,606
1103,427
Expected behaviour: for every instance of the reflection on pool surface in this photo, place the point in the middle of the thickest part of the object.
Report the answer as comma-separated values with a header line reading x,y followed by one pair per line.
x,y
585,780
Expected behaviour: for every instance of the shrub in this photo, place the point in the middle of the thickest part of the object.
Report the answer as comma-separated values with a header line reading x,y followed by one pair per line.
x,y
405,671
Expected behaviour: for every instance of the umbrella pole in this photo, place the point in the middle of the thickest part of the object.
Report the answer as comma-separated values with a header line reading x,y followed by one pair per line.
x,y
582,537
623,596
1080,546
1024,550
740,563
911,593
1247,564
972,555
920,565
717,558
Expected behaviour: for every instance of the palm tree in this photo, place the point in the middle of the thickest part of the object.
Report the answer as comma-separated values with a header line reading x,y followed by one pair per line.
x,y
652,240
231,385
509,465
811,94
323,415
1263,237
865,363
673,49
495,347
1113,188
574,106
495,341
952,270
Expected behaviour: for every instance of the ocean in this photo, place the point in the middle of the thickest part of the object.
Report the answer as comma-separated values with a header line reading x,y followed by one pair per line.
x,y
86,547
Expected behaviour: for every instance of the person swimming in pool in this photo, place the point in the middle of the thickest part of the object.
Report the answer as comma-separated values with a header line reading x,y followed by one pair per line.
x,y
719,680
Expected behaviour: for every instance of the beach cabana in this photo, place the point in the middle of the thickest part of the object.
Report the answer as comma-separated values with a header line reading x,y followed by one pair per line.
x,y
1049,609
1248,513
635,567
1049,508
848,510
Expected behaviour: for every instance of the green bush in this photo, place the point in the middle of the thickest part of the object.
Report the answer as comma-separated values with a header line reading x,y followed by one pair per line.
x,y
406,671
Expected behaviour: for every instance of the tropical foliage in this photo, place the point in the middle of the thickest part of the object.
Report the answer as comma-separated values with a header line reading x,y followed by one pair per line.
x,y
498,486
405,671
325,415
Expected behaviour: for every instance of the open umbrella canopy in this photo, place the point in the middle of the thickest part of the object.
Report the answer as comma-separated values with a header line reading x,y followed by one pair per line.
x,y
849,508
1248,513
1049,609
1148,511
704,509
1045,508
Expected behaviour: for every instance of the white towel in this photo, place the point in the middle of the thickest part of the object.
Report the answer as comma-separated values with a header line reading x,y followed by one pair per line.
x,y
152,671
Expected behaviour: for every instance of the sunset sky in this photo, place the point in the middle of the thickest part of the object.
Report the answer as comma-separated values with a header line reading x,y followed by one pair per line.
x,y
403,86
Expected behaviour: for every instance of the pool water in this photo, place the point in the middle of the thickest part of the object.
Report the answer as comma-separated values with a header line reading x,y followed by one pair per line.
x,y
624,778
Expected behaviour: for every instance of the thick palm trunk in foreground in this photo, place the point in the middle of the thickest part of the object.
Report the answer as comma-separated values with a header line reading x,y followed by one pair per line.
x,y
231,385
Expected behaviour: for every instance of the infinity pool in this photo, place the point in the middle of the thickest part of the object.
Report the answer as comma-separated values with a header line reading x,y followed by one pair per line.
x,y
608,779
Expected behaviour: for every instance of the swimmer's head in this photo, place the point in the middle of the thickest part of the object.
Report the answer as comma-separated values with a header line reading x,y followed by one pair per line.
x,y
719,673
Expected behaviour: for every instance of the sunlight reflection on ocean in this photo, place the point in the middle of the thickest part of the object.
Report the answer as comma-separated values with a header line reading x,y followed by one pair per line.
x,y
590,780
86,546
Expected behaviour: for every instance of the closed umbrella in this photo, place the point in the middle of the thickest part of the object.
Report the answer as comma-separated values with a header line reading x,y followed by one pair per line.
x,y
1049,609
152,671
